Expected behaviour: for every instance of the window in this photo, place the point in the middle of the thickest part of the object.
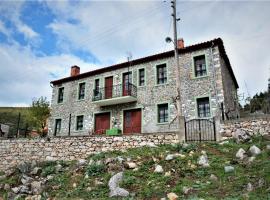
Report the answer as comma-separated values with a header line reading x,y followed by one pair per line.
x,y
96,89
161,74
57,127
163,113
79,123
141,77
200,66
81,94
203,107
60,95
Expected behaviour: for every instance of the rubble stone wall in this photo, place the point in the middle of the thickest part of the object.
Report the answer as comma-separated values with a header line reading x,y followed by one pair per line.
x,y
15,151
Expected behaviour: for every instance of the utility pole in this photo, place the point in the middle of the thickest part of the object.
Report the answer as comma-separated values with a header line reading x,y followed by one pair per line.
x,y
176,56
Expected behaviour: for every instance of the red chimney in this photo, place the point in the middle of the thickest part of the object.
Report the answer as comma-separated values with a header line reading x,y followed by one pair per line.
x,y
75,70
180,43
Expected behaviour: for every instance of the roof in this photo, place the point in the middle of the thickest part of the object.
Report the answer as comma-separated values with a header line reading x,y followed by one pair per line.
x,y
215,42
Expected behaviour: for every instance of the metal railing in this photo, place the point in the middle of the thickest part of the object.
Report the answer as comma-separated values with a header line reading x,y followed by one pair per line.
x,y
114,91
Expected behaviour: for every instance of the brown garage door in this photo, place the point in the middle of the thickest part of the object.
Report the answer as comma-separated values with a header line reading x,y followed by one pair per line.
x,y
102,123
132,121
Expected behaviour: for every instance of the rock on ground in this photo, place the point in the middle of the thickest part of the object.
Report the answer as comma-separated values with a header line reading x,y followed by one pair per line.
x,y
36,187
172,196
158,169
241,154
115,190
228,169
254,150
213,177
169,157
36,171
241,136
130,165
203,161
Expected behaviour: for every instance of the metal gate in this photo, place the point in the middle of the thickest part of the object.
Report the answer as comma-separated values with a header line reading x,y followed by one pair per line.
x,y
199,130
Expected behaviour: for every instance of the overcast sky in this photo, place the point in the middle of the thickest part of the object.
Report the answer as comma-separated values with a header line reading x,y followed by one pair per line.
x,y
40,40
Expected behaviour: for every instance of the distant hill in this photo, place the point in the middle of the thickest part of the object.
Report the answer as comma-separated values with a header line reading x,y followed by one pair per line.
x,y
10,116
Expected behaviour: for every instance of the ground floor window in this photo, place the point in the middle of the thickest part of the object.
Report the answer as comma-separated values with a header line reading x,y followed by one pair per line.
x,y
79,123
162,113
57,127
203,107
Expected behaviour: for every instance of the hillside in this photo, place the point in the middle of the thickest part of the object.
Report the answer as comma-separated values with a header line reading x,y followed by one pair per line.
x,y
151,173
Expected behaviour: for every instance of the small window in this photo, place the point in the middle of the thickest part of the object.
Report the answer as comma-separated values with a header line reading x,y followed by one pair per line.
x,y
163,113
79,123
81,91
161,74
141,77
96,89
203,107
200,66
57,127
60,95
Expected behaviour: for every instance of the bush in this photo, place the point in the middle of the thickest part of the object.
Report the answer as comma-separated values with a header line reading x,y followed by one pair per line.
x,y
95,169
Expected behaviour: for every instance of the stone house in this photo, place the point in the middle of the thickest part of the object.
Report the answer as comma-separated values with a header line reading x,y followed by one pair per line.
x,y
138,96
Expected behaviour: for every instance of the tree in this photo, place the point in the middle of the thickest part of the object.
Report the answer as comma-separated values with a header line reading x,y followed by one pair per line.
x,y
39,112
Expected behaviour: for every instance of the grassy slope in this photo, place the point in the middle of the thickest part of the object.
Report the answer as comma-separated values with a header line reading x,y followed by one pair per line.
x,y
145,184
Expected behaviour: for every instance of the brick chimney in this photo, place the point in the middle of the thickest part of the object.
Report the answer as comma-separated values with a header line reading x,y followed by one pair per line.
x,y
180,43
75,70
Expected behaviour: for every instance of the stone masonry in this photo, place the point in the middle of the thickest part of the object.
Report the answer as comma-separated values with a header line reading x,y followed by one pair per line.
x,y
217,85
15,151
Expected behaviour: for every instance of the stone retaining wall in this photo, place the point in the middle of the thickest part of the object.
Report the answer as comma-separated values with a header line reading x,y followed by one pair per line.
x,y
252,126
15,151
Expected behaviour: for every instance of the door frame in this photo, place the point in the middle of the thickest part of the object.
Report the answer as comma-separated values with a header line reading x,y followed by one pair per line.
x,y
104,83
135,108
100,112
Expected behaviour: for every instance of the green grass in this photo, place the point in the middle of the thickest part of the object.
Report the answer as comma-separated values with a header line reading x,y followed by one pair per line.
x,y
145,184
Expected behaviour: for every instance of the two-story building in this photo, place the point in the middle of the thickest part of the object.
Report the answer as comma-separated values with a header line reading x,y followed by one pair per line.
x,y
138,96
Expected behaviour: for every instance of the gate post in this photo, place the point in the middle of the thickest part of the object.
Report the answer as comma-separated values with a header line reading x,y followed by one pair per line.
x,y
181,132
217,127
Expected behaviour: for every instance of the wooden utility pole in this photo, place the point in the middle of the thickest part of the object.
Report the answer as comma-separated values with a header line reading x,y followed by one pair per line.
x,y
176,56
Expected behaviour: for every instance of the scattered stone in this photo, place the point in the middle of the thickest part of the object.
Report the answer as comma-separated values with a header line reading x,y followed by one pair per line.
x,y
97,182
3,177
224,142
169,157
268,147
24,167
74,185
167,173
50,177
36,171
26,179
9,172
241,136
6,187
151,144
115,190
108,160
50,158
186,190
251,159
260,183
120,159
172,196
227,133
130,165
228,169
159,169
254,150
89,189
81,162
36,187
266,137
213,178
185,145
249,187
241,154
58,168
203,161
16,190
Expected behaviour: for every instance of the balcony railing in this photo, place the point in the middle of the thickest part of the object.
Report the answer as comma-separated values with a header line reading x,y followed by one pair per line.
x,y
115,91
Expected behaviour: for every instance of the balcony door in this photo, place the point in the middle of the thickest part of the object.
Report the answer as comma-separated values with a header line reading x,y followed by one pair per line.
x,y
102,123
127,79
132,121
108,87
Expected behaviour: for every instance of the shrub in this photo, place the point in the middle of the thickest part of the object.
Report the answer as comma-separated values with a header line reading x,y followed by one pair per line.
x,y
95,169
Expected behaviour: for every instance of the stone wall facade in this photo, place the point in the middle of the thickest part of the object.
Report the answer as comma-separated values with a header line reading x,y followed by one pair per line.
x,y
15,151
148,96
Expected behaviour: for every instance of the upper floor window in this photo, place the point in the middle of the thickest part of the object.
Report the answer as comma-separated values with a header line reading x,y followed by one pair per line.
x,y
203,107
60,98
81,94
161,74
79,123
141,77
97,86
163,113
200,66
57,127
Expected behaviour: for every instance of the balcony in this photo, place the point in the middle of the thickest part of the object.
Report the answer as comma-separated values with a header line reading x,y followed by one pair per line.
x,y
116,94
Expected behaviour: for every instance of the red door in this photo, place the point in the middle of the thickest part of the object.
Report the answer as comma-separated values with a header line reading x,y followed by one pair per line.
x,y
108,87
102,123
132,121
127,78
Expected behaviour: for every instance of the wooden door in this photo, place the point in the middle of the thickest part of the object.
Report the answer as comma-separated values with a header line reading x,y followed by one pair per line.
x,y
108,87
102,123
127,79
132,121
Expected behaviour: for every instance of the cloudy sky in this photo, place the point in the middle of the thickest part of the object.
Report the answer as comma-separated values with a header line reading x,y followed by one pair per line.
x,y
40,40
